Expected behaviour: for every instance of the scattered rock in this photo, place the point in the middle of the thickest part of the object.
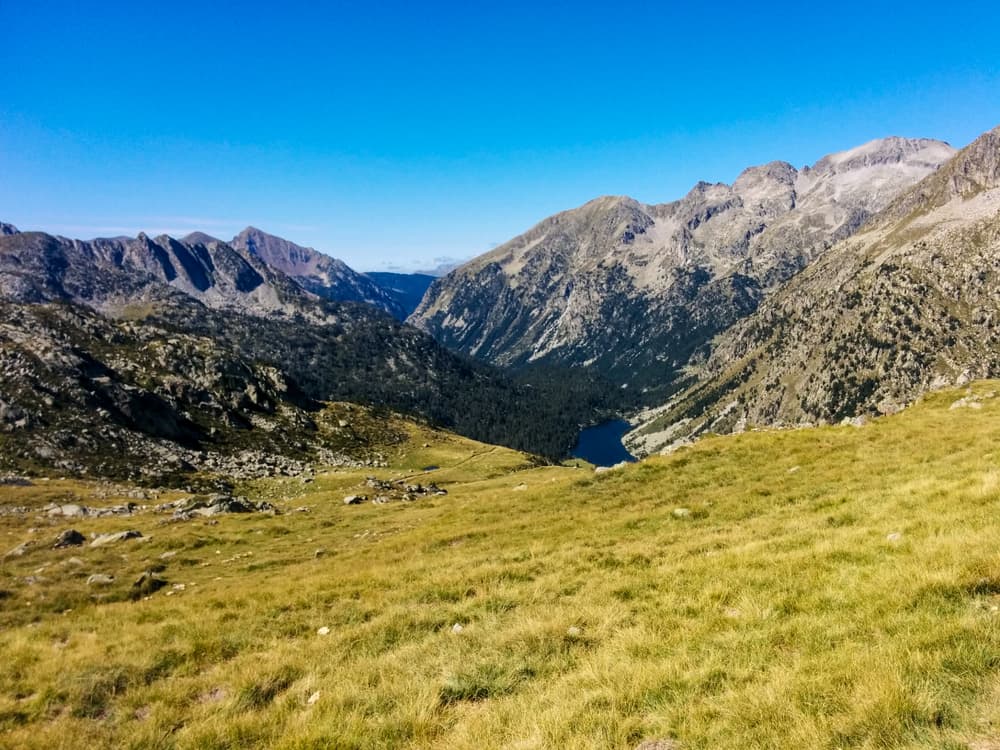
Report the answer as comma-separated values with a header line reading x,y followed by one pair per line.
x,y
206,507
520,488
323,631
969,402
214,695
355,499
68,511
602,469
100,579
659,744
573,631
859,421
313,698
15,481
682,513
118,536
319,553
20,549
399,490
168,554
72,510
69,538
894,537
457,628
146,584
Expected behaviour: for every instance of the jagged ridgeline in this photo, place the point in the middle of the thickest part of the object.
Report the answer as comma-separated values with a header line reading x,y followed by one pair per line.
x,y
635,291
123,352
907,304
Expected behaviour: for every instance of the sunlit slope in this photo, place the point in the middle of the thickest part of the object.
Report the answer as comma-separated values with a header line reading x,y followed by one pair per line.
x,y
821,588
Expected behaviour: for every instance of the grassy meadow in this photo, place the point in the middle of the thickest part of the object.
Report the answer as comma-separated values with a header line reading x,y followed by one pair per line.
x,y
834,587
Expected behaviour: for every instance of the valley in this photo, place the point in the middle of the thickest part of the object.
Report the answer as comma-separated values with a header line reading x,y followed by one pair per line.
x,y
499,376
828,587
253,498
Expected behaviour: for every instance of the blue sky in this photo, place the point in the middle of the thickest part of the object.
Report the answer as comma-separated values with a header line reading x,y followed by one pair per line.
x,y
392,134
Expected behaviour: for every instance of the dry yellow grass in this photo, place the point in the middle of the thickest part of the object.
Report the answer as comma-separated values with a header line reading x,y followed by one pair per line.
x,y
825,588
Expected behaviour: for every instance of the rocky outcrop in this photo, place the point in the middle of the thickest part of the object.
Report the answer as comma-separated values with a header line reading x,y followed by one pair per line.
x,y
320,274
90,395
907,304
125,275
636,290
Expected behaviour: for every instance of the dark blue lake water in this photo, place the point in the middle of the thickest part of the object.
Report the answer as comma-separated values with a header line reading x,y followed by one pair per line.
x,y
602,444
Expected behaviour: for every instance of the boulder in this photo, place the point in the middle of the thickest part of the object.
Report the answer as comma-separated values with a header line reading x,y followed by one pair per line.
x,y
20,549
355,499
118,536
146,584
70,510
100,579
69,538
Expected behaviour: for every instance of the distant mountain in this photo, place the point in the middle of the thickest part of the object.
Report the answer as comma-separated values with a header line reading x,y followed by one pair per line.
x,y
111,305
909,303
199,238
634,290
7,228
406,288
113,273
318,273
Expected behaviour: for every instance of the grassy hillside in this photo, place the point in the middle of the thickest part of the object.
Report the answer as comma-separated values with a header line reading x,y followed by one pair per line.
x,y
825,588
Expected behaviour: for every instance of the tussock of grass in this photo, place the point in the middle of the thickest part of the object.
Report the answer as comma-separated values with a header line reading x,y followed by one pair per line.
x,y
826,588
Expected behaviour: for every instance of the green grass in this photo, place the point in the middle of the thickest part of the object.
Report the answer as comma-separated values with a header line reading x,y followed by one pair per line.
x,y
781,611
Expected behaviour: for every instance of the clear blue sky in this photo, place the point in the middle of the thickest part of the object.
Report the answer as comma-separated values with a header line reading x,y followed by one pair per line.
x,y
391,133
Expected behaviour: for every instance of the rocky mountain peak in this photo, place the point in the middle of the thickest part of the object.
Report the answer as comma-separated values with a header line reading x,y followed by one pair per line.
x,y
199,238
977,166
780,172
633,290
318,273
908,303
7,229
917,152
974,169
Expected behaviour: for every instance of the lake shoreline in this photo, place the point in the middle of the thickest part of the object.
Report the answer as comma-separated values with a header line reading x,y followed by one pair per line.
x,y
601,444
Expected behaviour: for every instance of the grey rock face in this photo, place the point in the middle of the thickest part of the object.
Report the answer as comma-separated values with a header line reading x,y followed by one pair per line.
x,y
124,273
636,290
907,304
322,275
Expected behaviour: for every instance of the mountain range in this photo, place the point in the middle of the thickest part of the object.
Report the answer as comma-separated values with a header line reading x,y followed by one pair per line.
x,y
635,290
183,341
907,304
837,291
